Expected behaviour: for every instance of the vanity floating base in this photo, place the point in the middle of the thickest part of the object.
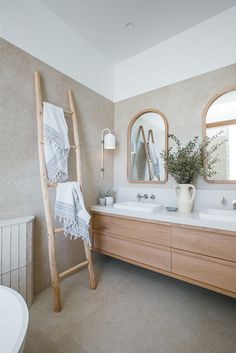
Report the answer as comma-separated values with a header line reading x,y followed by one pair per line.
x,y
201,256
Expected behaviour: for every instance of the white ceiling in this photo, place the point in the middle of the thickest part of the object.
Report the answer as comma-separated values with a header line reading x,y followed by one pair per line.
x,y
101,22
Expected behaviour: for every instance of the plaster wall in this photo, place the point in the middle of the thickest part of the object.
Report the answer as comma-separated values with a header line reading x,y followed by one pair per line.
x,y
20,190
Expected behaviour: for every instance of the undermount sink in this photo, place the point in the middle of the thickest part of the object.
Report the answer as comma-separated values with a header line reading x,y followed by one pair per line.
x,y
138,206
218,215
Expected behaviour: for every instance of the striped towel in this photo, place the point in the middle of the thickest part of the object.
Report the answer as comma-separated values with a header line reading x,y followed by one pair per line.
x,y
56,145
69,208
154,160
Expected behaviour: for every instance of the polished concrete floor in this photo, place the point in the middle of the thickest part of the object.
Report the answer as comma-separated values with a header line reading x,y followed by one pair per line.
x,y
132,311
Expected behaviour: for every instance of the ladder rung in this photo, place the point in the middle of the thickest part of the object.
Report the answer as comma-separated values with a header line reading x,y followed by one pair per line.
x,y
58,230
72,269
68,112
71,146
52,185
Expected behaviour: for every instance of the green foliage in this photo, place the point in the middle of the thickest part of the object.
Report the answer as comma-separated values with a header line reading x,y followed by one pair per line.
x,y
187,162
109,193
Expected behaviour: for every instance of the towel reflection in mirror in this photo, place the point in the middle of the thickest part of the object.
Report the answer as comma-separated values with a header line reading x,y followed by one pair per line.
x,y
147,140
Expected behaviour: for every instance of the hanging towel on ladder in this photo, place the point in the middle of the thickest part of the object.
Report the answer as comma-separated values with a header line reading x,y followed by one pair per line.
x,y
70,209
154,160
56,143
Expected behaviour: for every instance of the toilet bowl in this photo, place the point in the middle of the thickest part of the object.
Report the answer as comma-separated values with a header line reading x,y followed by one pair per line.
x,y
14,320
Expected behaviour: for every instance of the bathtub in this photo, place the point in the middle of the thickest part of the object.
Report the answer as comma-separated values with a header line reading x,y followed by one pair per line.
x,y
14,317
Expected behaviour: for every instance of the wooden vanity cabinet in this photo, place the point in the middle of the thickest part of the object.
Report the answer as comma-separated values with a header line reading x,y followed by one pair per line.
x,y
202,256
209,242
132,240
133,229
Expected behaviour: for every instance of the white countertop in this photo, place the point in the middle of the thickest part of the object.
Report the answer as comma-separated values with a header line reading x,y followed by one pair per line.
x,y
162,215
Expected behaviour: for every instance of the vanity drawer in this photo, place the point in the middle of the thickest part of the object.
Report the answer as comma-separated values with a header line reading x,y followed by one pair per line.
x,y
218,273
135,229
155,256
211,243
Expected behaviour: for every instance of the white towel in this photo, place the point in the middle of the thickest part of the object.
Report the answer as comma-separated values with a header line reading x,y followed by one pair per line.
x,y
69,208
56,143
139,162
154,160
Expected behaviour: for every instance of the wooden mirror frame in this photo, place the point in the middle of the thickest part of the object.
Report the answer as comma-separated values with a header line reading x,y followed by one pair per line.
x,y
156,111
205,111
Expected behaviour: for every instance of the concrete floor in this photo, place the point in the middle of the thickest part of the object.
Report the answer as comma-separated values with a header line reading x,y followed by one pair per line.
x,y
132,311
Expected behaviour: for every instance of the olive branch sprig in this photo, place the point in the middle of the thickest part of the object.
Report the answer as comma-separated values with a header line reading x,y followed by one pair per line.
x,y
196,158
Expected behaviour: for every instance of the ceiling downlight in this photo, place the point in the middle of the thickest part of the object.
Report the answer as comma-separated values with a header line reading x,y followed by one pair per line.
x,y
129,26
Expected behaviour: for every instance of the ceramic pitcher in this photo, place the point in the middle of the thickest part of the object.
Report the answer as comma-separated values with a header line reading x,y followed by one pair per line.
x,y
185,194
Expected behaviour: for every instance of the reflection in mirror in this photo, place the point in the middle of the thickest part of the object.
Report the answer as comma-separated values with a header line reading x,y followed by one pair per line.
x,y
147,138
220,118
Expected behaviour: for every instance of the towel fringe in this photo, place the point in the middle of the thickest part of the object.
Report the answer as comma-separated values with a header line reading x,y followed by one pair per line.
x,y
68,225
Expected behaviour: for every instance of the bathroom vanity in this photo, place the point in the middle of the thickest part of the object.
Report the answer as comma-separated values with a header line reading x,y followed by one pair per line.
x,y
194,250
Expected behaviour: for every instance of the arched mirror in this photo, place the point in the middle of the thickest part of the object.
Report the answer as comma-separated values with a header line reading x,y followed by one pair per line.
x,y
147,138
219,118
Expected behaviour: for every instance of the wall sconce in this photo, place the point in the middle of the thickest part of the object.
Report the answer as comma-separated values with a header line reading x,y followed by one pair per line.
x,y
108,143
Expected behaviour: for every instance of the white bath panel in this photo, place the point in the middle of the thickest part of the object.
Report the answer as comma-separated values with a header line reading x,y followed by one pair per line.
x,y
16,256
6,279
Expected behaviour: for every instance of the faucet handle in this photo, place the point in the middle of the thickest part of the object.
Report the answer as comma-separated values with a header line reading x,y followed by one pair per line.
x,y
152,197
234,204
224,201
139,196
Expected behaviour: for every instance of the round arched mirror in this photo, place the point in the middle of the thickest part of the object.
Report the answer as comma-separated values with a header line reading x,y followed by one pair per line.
x,y
147,138
219,119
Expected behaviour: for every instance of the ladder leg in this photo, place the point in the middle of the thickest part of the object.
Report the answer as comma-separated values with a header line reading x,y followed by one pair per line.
x,y
46,201
92,280
54,275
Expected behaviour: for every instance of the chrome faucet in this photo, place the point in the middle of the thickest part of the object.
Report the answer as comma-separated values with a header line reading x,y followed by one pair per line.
x,y
139,197
234,204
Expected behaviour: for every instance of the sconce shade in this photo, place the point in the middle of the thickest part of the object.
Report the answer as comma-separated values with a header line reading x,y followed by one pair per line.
x,y
109,142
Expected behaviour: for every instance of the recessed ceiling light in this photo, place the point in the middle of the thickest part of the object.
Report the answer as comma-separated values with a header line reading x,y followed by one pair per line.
x,y
129,25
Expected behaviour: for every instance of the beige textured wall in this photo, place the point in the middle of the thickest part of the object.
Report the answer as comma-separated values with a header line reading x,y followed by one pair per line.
x,y
20,192
183,104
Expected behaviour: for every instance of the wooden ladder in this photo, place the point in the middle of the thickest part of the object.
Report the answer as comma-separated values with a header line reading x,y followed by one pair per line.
x,y
45,184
